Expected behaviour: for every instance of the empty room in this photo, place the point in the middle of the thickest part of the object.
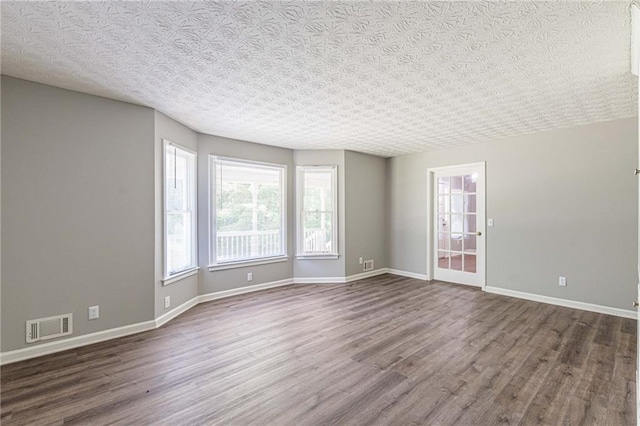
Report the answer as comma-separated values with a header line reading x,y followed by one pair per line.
x,y
319,212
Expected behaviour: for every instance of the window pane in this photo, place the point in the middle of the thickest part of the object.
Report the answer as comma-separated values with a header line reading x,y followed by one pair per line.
x,y
179,242
248,209
318,232
317,191
180,194
317,227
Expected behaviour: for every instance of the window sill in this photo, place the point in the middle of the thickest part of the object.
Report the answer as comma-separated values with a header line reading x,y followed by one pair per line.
x,y
180,276
246,263
317,256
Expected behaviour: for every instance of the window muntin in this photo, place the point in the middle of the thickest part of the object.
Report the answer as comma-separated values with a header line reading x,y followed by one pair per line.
x,y
180,242
317,211
248,211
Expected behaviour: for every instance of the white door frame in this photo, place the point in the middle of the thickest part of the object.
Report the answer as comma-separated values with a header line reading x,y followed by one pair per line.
x,y
431,237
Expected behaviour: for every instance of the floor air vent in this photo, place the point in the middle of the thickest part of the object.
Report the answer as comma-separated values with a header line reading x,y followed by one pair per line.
x,y
368,265
49,328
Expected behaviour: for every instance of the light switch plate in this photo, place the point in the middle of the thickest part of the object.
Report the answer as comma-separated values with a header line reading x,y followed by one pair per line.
x,y
489,222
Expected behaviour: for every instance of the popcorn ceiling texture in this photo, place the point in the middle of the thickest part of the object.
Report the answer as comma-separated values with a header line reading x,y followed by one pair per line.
x,y
385,78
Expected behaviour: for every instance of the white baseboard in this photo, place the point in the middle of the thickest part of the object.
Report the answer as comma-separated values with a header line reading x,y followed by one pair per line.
x,y
242,290
320,280
74,342
340,280
422,277
367,274
114,333
564,302
165,318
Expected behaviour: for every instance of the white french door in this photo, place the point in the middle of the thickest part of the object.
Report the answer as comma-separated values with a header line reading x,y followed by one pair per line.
x,y
457,243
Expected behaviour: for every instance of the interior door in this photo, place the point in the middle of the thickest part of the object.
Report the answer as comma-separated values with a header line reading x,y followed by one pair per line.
x,y
458,251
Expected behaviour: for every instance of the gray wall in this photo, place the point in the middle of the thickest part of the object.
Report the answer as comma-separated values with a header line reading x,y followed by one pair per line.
x,y
564,203
307,268
187,288
235,278
365,180
78,209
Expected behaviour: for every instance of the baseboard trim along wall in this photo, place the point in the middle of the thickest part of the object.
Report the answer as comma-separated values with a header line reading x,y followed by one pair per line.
x,y
248,289
339,280
407,274
563,302
74,342
114,333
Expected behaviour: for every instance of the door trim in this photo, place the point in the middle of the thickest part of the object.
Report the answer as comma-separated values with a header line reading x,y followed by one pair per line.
x,y
430,231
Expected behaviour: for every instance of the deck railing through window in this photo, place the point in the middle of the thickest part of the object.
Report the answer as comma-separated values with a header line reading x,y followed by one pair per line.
x,y
317,240
236,245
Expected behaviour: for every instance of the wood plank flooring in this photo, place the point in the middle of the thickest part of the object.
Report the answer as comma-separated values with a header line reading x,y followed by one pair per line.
x,y
385,350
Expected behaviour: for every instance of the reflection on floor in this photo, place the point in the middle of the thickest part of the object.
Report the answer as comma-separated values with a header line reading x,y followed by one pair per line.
x,y
456,262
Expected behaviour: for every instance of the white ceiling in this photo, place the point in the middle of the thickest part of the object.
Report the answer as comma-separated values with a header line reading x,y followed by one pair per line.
x,y
385,78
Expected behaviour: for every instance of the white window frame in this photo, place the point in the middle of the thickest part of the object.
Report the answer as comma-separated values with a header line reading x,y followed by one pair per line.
x,y
168,277
300,253
214,265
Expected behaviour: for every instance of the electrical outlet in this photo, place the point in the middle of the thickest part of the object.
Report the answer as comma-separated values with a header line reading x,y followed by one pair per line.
x,y
562,281
94,312
249,276
360,260
167,302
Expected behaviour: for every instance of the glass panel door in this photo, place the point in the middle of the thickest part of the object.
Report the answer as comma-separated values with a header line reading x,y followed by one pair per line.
x,y
456,198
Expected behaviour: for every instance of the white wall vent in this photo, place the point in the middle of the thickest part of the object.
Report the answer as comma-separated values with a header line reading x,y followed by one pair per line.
x,y
368,265
49,328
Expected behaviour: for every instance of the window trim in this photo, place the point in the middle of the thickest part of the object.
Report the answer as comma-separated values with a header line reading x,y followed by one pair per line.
x,y
300,254
214,265
169,278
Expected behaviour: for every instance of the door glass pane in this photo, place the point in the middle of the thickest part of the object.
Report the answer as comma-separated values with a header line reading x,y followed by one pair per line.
x,y
470,203
443,204
470,241
470,223
443,185
456,223
456,242
456,184
469,262
470,183
443,241
443,259
456,204
456,261
443,222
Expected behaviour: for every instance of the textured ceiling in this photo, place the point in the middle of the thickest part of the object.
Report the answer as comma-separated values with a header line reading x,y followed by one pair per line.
x,y
385,78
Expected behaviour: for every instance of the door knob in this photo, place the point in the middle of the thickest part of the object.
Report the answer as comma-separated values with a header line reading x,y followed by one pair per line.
x,y
635,304
637,172
478,233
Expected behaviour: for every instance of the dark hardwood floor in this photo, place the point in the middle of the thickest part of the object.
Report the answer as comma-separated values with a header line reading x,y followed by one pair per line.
x,y
385,350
